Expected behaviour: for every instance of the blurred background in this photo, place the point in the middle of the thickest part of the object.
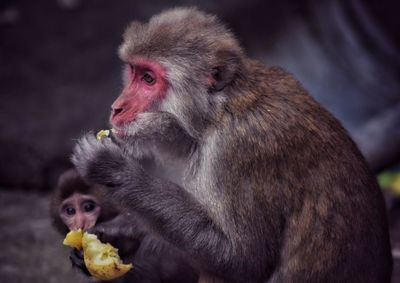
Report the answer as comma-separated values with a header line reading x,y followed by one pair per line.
x,y
59,73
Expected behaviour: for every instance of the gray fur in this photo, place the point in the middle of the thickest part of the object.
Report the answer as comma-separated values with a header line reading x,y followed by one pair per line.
x,y
272,187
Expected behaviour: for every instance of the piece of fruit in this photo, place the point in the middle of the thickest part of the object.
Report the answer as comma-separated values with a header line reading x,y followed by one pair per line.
x,y
102,133
74,239
101,260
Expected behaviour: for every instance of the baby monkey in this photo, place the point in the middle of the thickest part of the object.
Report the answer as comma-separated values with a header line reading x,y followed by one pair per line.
x,y
76,205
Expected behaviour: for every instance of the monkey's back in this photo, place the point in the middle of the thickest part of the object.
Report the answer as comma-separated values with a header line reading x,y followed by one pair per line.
x,y
302,177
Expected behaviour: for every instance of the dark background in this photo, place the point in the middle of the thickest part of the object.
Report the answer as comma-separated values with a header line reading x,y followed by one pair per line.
x,y
59,73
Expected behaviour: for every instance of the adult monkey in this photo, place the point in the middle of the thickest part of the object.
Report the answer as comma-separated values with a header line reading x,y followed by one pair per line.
x,y
271,187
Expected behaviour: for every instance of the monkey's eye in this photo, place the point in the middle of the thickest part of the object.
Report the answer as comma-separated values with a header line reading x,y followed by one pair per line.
x,y
89,206
148,78
70,210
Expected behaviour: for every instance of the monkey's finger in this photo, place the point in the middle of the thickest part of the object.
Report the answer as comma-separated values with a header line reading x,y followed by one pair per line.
x,y
111,142
78,254
90,138
107,234
97,230
76,258
115,139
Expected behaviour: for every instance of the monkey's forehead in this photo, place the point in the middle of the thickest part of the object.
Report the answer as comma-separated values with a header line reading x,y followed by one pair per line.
x,y
186,32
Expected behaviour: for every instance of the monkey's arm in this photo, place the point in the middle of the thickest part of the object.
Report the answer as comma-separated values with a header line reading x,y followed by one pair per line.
x,y
125,232
125,225
170,209
153,258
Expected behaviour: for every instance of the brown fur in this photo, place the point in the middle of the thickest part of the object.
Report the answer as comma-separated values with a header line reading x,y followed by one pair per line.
x,y
272,188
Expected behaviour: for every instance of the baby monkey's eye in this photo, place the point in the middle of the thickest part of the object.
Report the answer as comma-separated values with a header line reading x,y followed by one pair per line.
x,y
70,210
89,206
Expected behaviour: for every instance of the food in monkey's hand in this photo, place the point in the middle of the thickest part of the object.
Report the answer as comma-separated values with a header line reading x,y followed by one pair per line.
x,y
101,260
74,239
102,133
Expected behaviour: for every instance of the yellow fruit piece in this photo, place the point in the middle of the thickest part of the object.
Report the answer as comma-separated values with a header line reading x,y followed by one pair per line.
x,y
101,260
74,239
102,133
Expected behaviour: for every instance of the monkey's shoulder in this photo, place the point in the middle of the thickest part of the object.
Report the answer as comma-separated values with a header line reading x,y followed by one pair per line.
x,y
282,82
274,112
271,75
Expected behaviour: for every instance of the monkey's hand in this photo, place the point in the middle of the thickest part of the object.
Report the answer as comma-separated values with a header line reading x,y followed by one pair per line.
x,y
76,258
103,162
122,233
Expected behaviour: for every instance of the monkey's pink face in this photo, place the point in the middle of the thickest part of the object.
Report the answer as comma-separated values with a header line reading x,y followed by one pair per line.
x,y
79,211
145,87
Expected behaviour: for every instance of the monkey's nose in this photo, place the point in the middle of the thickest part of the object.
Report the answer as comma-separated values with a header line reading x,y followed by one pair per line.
x,y
79,221
116,112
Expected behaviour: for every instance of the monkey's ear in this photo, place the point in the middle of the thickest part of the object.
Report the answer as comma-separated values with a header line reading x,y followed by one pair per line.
x,y
224,70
